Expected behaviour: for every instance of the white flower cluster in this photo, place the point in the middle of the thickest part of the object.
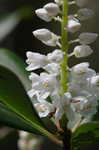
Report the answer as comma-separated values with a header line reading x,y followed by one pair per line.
x,y
80,101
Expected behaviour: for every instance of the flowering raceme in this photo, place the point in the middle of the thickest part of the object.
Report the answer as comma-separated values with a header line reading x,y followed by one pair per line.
x,y
80,99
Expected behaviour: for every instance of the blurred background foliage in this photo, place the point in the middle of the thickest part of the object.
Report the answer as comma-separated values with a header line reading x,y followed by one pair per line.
x,y
17,21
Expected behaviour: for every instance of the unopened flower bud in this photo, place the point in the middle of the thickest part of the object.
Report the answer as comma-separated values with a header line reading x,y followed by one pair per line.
x,y
87,38
52,9
43,14
82,51
73,25
85,13
42,34
47,37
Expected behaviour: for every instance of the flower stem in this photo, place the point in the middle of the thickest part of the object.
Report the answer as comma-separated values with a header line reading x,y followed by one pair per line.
x,y
64,42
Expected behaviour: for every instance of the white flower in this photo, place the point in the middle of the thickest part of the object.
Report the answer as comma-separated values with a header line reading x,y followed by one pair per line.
x,y
56,56
44,108
43,14
85,13
87,37
61,104
81,70
82,51
52,9
47,37
35,61
73,24
81,3
43,34
50,62
94,81
52,68
59,2
94,85
45,85
84,106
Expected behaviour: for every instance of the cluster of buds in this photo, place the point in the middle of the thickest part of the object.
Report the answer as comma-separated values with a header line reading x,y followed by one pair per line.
x,y
80,100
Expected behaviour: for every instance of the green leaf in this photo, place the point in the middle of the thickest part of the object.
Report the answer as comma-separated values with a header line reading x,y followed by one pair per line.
x,y
14,63
11,119
86,133
13,95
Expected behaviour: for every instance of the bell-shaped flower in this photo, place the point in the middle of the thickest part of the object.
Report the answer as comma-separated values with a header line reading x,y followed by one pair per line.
x,y
82,70
87,37
73,24
45,85
84,106
35,61
44,108
52,9
43,14
47,37
82,51
56,56
85,13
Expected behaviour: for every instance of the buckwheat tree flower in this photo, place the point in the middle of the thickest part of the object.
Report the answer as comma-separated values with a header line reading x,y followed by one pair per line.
x,y
82,51
46,84
61,90
35,61
46,37
73,24
43,14
52,9
44,108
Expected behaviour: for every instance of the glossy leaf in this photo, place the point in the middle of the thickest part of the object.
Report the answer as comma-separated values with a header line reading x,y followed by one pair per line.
x,y
86,133
11,119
